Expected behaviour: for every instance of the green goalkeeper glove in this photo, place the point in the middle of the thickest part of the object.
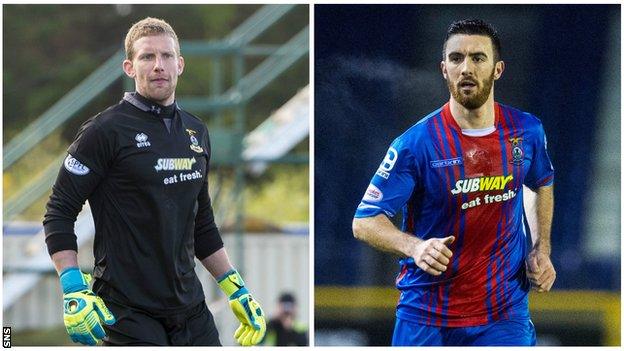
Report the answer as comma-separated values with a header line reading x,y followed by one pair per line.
x,y
245,308
82,309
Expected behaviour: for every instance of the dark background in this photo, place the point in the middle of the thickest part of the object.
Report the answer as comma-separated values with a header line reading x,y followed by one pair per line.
x,y
377,73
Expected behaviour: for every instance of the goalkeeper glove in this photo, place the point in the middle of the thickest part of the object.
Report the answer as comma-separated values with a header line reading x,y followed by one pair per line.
x,y
245,308
82,309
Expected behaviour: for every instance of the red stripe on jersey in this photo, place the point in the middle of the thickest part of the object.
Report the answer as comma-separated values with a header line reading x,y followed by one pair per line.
x,y
481,157
444,294
545,180
402,274
439,305
430,304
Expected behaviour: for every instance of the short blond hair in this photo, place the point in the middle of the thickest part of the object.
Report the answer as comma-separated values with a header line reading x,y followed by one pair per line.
x,y
147,27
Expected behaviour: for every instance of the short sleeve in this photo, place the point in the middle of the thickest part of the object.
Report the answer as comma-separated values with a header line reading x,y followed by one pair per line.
x,y
392,184
541,171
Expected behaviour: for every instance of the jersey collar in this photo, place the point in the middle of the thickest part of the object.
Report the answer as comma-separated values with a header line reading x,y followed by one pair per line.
x,y
449,120
144,104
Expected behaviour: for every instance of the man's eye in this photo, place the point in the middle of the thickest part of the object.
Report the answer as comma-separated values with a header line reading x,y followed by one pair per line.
x,y
455,59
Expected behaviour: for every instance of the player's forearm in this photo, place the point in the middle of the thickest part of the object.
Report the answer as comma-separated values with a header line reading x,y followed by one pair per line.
x,y
380,233
64,259
545,205
218,263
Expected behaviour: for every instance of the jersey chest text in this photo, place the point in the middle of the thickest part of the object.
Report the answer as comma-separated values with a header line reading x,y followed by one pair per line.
x,y
481,171
154,158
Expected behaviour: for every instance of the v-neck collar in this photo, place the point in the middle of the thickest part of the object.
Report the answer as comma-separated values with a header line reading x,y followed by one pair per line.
x,y
165,113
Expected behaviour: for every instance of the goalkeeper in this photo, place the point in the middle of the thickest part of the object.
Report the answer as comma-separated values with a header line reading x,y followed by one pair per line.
x,y
143,165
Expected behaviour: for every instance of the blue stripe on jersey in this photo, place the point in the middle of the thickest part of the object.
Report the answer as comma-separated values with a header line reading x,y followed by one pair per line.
x,y
505,208
450,181
439,126
439,151
488,285
462,225
516,121
503,262
493,257
455,211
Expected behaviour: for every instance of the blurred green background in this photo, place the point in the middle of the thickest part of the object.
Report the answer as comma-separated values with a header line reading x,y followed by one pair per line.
x,y
49,49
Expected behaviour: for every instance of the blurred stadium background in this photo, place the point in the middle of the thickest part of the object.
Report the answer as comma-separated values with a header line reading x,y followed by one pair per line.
x,y
246,75
377,72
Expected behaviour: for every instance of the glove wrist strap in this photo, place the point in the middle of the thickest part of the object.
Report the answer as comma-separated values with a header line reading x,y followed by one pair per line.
x,y
72,280
232,284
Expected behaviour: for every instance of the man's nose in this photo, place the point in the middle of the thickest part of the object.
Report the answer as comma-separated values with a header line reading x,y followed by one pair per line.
x,y
158,65
467,68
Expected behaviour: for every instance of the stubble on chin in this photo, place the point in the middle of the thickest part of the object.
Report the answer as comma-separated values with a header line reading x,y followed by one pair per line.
x,y
159,95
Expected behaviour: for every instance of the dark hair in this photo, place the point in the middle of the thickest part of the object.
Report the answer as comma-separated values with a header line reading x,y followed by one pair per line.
x,y
474,27
287,297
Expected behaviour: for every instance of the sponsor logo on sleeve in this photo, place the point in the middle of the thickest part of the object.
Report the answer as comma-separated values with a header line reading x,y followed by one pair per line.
x,y
362,206
373,194
74,166
446,163
388,163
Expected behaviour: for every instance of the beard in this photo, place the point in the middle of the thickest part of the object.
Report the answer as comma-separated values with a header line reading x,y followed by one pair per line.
x,y
473,100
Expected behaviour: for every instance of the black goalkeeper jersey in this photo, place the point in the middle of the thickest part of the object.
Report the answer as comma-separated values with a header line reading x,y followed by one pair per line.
x,y
145,177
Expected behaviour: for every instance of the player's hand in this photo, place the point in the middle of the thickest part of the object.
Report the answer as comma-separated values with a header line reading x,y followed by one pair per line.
x,y
248,311
83,311
540,271
433,255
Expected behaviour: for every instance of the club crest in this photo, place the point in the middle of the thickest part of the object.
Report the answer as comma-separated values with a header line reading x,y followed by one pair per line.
x,y
517,154
194,142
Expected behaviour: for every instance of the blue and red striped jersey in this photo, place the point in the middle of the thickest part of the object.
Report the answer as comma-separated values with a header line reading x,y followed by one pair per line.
x,y
451,182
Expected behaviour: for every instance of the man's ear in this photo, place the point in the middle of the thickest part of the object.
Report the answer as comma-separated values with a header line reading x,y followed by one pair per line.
x,y
128,68
498,69
180,65
443,69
